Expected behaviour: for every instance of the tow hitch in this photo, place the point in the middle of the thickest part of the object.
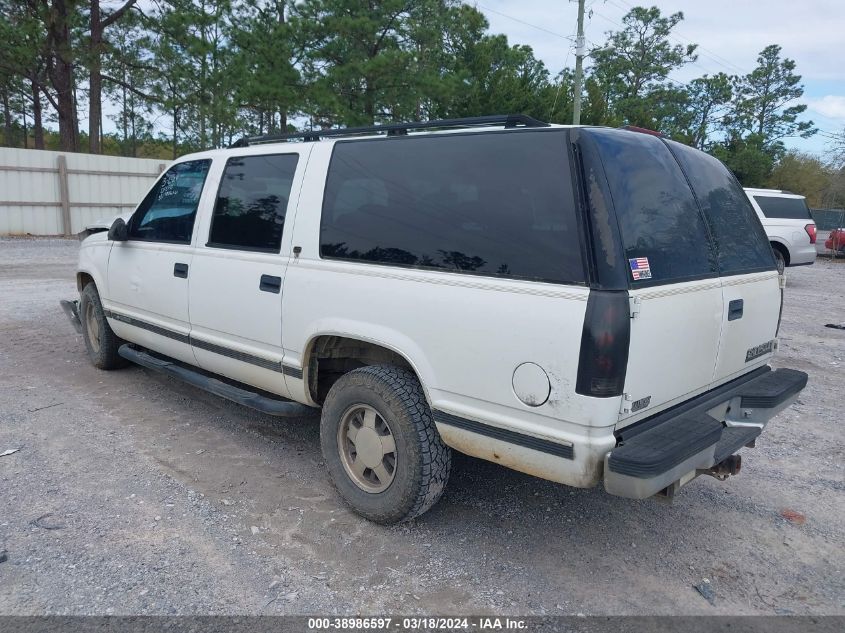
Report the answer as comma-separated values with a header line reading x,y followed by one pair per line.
x,y
725,468
71,309
729,466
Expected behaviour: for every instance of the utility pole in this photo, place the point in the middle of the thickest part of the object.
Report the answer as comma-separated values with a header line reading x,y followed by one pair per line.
x,y
579,66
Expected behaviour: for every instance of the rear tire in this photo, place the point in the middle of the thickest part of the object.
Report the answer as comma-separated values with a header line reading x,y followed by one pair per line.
x,y
381,447
100,340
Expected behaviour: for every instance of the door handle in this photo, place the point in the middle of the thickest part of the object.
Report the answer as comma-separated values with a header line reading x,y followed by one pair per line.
x,y
270,284
180,270
735,309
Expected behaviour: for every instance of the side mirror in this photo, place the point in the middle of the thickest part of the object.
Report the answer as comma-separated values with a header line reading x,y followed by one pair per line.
x,y
119,232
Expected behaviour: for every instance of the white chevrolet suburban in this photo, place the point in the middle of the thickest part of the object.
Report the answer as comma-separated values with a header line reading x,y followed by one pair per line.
x,y
582,304
788,225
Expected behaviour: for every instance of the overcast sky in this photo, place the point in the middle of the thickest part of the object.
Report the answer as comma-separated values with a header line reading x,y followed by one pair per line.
x,y
730,34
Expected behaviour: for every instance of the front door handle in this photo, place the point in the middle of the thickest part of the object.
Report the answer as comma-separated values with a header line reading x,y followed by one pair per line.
x,y
270,284
735,309
180,270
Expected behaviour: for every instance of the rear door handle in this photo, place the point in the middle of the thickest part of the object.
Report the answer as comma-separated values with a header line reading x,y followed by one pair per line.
x,y
180,270
270,284
735,309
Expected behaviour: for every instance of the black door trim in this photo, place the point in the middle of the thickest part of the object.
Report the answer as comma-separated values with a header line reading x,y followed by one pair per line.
x,y
505,435
244,357
155,329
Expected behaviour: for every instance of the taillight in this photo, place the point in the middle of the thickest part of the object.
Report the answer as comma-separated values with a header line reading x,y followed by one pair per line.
x,y
811,231
642,130
604,345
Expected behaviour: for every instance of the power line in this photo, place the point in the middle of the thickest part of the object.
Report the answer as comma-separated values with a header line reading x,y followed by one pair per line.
x,y
571,38
607,19
533,26
682,84
722,61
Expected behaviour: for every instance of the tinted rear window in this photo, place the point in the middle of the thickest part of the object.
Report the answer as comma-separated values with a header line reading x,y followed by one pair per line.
x,y
663,232
497,204
739,239
784,208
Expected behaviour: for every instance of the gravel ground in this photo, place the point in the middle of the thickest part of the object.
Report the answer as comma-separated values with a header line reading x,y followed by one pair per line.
x,y
135,495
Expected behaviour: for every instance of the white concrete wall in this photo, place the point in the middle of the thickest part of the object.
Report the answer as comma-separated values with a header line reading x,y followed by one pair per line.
x,y
97,187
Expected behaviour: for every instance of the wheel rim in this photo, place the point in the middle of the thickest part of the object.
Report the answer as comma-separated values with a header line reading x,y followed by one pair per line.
x,y
93,327
367,448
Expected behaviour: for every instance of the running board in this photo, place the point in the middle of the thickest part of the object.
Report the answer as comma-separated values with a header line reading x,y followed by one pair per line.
x,y
272,406
71,309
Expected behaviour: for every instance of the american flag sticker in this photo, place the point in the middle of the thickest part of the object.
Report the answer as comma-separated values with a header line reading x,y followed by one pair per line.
x,y
639,268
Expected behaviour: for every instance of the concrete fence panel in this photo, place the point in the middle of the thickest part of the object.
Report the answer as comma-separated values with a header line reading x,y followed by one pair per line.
x,y
58,193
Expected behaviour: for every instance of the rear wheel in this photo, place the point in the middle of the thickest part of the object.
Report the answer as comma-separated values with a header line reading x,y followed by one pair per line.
x,y
380,444
100,341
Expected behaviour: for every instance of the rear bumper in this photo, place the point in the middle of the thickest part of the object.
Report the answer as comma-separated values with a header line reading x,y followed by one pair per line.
x,y
675,446
802,255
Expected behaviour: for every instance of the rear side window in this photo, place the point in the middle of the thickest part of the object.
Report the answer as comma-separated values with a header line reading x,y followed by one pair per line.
x,y
663,234
740,241
784,208
249,213
496,204
167,213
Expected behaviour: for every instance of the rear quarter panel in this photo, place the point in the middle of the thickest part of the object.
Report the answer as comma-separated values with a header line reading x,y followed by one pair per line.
x,y
463,334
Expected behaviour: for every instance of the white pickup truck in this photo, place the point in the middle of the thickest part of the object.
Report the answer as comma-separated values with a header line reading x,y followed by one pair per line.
x,y
582,304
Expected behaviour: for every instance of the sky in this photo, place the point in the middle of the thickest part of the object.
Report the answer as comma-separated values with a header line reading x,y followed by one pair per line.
x,y
730,34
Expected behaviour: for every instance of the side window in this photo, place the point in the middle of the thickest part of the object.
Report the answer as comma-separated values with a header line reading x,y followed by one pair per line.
x,y
663,232
497,204
167,213
249,213
784,208
741,243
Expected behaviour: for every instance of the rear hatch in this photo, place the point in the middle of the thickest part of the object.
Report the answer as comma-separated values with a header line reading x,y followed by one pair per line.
x,y
703,291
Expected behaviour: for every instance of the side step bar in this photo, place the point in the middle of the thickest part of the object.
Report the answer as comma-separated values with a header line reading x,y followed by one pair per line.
x,y
272,406
71,309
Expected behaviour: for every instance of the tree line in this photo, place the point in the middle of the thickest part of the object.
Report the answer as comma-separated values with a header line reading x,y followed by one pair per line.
x,y
182,75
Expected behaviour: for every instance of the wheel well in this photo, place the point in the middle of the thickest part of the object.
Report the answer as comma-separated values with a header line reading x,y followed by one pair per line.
x,y
82,280
332,356
777,246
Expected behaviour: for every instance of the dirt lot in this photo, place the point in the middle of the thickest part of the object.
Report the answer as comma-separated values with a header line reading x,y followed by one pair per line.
x,y
132,494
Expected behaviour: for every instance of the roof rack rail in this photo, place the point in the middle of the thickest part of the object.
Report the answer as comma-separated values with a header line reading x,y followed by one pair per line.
x,y
397,129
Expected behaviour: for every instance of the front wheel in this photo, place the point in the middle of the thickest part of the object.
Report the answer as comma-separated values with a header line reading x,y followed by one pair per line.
x,y
100,340
380,444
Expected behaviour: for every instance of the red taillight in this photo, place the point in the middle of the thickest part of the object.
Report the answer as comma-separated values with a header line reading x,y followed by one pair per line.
x,y
642,130
604,345
811,231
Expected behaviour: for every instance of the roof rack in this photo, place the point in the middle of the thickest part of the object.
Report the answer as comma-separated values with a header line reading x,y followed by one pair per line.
x,y
397,129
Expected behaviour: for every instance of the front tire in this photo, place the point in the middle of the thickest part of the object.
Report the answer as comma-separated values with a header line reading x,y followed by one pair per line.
x,y
382,449
100,340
